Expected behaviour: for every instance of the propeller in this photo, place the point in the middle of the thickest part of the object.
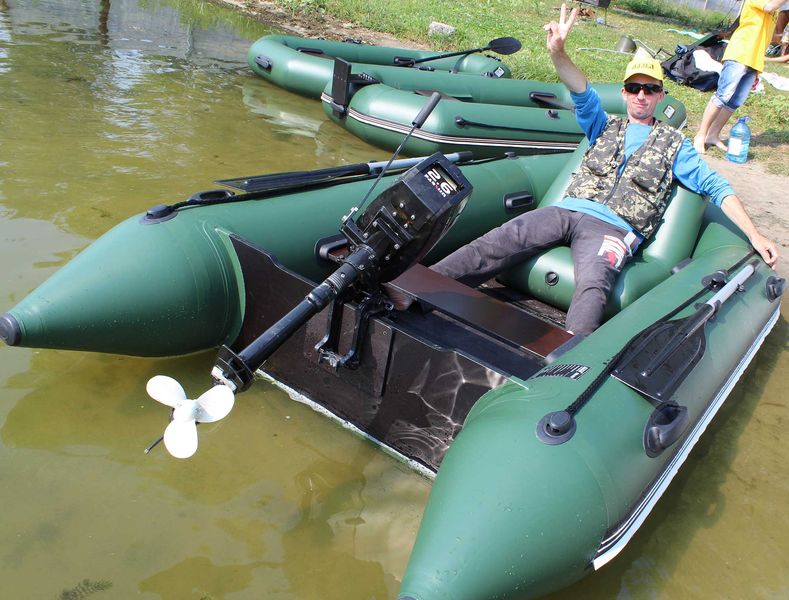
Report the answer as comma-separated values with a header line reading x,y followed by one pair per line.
x,y
180,436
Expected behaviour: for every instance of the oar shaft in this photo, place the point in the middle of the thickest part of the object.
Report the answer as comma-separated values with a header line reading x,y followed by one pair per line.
x,y
449,55
734,283
696,321
299,179
407,163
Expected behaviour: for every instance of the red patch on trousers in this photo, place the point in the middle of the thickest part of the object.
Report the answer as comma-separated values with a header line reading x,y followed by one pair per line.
x,y
613,250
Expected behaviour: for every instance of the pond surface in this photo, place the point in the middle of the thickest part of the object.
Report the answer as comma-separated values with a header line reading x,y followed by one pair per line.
x,y
107,108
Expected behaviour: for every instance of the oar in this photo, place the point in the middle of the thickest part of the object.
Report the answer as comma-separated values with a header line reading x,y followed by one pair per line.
x,y
664,354
502,45
299,179
655,360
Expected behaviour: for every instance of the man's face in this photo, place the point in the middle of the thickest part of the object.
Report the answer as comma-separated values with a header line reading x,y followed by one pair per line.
x,y
642,104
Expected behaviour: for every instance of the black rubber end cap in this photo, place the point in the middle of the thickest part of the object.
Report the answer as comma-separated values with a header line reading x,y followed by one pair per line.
x,y
775,287
158,213
10,331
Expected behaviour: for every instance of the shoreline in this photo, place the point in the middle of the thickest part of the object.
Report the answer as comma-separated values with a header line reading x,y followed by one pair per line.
x,y
307,26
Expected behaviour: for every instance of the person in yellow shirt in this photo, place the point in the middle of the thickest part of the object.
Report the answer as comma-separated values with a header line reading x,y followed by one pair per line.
x,y
781,35
742,63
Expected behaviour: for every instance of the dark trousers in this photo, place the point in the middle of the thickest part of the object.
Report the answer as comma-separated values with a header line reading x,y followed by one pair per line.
x,y
598,249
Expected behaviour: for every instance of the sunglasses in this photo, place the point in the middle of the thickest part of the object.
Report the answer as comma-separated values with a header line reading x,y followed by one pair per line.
x,y
649,88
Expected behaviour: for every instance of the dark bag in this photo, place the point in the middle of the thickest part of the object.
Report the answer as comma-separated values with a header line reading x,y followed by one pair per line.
x,y
682,68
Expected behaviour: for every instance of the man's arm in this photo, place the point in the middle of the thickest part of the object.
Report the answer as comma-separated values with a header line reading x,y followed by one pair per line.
x,y
772,5
571,76
733,208
696,175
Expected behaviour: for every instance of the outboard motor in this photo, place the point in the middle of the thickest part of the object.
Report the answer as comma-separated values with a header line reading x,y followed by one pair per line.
x,y
398,228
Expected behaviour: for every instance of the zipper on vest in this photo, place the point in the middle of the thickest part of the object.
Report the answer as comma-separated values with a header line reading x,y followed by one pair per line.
x,y
625,160
619,173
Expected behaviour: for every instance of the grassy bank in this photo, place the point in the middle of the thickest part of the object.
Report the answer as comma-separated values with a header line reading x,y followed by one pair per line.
x,y
478,21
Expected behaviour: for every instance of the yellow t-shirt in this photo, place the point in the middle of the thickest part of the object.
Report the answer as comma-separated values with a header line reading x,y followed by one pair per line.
x,y
749,42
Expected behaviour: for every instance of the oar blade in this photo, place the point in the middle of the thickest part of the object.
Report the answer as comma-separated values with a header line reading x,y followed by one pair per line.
x,y
658,377
502,45
505,45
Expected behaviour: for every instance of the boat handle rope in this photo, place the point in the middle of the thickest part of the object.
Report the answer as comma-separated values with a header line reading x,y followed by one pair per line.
x,y
558,427
462,122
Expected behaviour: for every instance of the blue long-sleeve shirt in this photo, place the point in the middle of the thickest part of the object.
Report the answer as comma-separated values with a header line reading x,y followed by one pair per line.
x,y
688,167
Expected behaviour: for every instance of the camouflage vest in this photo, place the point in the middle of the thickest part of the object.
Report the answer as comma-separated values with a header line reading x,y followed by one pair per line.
x,y
640,194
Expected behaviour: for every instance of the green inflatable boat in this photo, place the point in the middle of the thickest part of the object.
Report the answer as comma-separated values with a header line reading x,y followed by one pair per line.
x,y
550,449
481,115
306,65
377,102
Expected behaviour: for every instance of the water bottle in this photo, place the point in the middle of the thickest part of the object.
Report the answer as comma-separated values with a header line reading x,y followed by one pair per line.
x,y
739,140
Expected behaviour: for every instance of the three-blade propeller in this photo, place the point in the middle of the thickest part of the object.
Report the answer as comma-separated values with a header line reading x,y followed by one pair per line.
x,y
180,437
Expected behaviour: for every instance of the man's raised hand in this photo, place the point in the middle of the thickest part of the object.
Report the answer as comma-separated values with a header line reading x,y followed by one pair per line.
x,y
557,32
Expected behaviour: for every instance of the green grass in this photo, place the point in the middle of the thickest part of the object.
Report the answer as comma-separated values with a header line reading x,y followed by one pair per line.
x,y
702,20
478,21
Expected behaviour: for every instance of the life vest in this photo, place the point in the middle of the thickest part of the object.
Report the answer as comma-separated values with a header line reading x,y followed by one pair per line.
x,y
639,194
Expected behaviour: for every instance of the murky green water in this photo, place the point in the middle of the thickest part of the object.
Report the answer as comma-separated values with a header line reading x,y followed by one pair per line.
x,y
109,107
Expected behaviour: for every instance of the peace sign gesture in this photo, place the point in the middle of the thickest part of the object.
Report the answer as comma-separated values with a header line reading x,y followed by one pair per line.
x,y
557,32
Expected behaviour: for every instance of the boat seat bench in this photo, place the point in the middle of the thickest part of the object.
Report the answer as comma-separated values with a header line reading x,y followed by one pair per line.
x,y
484,313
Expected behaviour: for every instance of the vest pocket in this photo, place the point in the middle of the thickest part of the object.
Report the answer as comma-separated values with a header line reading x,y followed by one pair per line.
x,y
599,164
642,207
653,179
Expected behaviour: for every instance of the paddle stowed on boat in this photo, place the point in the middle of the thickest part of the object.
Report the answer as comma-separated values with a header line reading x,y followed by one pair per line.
x,y
552,448
363,91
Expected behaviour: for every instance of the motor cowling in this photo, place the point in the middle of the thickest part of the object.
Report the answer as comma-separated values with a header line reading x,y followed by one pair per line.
x,y
405,221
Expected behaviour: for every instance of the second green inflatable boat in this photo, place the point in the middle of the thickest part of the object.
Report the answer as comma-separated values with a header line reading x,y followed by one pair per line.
x,y
485,114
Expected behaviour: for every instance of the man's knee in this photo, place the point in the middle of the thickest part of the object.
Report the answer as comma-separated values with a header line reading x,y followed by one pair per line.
x,y
593,283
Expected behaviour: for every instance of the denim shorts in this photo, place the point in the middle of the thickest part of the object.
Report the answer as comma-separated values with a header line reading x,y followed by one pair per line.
x,y
734,85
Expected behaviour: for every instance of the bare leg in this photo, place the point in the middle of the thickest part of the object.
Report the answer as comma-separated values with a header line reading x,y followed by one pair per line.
x,y
710,113
714,131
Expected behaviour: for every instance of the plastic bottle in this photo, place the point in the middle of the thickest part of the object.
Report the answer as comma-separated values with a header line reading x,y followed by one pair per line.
x,y
739,140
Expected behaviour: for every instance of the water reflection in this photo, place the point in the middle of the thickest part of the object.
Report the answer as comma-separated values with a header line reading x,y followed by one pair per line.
x,y
275,494
280,116
198,577
5,37
109,108
150,117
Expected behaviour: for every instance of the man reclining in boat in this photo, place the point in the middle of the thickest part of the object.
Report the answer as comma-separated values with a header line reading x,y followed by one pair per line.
x,y
615,200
